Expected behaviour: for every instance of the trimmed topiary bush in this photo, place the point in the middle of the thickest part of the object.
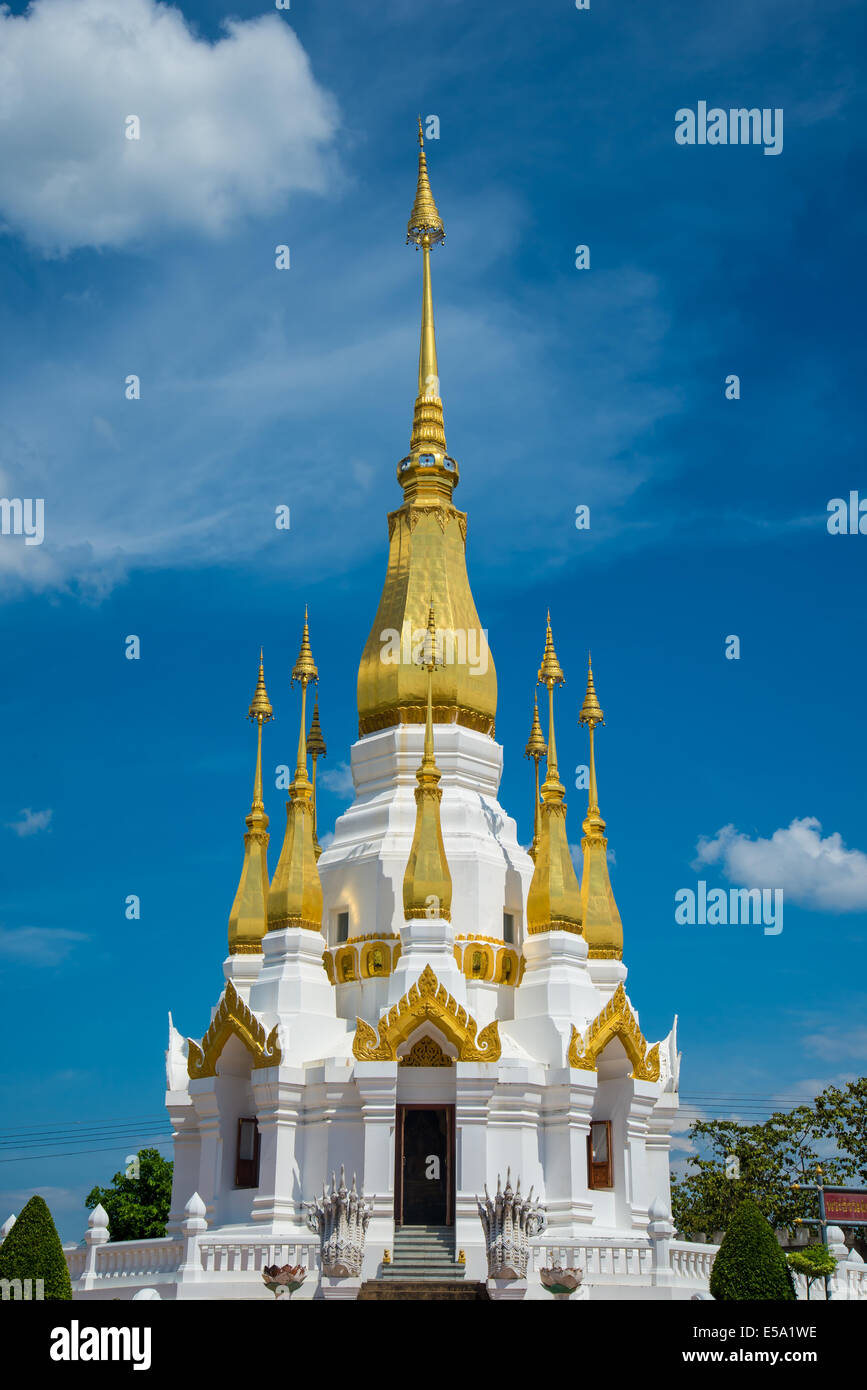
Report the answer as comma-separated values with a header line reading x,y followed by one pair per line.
x,y
32,1250
750,1262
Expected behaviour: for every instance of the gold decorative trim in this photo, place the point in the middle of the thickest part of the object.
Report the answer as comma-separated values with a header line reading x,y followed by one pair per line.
x,y
426,999
417,714
615,1020
371,936
426,1052
233,1016
604,953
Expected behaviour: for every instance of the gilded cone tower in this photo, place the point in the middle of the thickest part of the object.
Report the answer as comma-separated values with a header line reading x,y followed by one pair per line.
x,y
603,928
426,555
553,902
316,749
248,919
536,749
427,883
295,899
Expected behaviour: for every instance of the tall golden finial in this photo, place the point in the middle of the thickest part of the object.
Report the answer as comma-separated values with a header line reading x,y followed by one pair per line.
x,y
428,470
424,220
603,927
536,749
248,917
316,749
295,899
553,900
427,883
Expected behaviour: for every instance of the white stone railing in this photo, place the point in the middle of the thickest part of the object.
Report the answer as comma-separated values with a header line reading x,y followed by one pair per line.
x,y
692,1263
124,1259
220,1255
603,1261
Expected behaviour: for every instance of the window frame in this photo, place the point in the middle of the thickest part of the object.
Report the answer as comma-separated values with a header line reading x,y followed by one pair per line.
x,y
251,1171
600,1176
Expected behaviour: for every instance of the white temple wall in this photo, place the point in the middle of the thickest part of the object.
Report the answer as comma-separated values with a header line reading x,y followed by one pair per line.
x,y
362,870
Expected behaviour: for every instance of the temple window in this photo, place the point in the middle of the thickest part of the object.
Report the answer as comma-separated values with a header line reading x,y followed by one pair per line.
x,y
343,926
247,1163
599,1154
509,928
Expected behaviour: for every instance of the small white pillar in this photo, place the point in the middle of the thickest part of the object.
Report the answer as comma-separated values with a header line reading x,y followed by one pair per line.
x,y
95,1236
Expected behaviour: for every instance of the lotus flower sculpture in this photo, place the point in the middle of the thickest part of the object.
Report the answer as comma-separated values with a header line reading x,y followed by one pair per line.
x,y
562,1283
283,1280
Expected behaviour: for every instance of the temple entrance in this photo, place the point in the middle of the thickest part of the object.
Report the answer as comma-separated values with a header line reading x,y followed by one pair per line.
x,y
424,1164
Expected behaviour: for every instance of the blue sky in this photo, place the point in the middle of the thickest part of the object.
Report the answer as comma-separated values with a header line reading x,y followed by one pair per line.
x,y
562,387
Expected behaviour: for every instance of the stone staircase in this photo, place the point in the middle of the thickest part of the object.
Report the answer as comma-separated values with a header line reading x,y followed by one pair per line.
x,y
423,1266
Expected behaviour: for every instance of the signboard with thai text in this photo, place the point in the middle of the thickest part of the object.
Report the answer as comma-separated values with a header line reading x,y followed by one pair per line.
x,y
845,1204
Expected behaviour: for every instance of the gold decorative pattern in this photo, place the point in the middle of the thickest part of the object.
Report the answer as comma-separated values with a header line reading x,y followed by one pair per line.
x,y
615,1020
233,1016
426,1052
426,999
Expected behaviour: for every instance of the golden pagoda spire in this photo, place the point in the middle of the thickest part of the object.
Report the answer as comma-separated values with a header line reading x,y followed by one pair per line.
x,y
295,899
316,749
536,749
428,470
248,917
553,901
427,542
427,883
602,925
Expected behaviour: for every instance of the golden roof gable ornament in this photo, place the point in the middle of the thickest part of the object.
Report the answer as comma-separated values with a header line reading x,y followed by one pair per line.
x,y
616,1020
295,898
426,1000
248,917
603,928
554,899
233,1016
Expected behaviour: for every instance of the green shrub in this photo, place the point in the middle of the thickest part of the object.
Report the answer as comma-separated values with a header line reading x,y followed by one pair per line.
x,y
750,1263
32,1250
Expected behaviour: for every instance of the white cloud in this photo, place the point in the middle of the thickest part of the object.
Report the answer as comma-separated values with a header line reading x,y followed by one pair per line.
x,y
38,945
338,780
812,872
838,1043
30,822
227,128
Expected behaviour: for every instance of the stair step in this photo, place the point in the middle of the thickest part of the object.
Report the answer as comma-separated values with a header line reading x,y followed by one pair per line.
x,y
409,1289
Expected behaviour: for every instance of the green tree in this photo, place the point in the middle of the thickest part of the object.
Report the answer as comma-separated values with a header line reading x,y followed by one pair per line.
x,y
769,1158
750,1263
32,1250
841,1118
814,1262
137,1208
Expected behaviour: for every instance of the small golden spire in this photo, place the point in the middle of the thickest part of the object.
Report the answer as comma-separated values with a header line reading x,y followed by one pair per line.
x,y
295,899
603,927
316,749
553,900
427,883
248,917
536,749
